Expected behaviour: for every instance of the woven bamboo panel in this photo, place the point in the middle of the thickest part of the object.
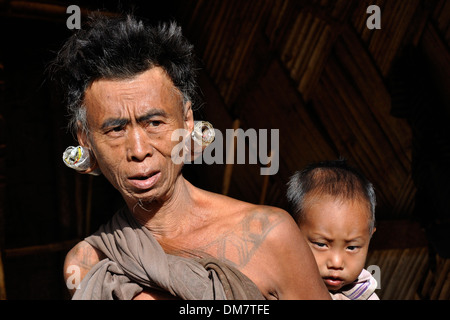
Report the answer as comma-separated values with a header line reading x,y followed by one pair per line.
x,y
406,274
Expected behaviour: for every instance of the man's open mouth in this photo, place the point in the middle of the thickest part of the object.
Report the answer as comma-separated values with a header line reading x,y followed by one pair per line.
x,y
144,181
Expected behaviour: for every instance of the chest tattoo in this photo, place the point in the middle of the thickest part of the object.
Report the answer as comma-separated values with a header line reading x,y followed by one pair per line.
x,y
237,246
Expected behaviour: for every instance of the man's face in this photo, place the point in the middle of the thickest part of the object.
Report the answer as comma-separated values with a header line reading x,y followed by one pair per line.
x,y
337,232
130,126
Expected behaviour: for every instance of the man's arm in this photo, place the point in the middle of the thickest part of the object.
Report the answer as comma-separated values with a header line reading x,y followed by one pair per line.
x,y
295,272
79,260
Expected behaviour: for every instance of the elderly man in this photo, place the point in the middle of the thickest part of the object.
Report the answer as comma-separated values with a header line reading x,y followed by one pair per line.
x,y
129,87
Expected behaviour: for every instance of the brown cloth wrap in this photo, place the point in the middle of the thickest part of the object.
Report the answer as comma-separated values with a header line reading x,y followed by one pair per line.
x,y
135,260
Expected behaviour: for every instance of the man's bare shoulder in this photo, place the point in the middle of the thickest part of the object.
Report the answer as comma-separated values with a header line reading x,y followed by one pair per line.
x,y
236,206
250,213
266,244
242,229
274,226
81,258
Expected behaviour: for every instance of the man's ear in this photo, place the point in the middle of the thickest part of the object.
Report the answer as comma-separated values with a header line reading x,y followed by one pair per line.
x,y
188,117
83,140
373,231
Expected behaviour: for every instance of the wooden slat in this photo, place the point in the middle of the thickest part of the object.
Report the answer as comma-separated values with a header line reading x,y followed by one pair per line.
x,y
39,249
2,280
300,141
441,15
229,166
442,279
344,130
402,271
396,19
370,84
2,193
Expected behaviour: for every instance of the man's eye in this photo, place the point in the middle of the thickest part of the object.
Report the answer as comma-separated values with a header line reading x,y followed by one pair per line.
x,y
154,123
114,130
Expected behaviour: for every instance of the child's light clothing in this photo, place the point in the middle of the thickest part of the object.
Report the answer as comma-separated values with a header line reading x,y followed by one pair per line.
x,y
362,288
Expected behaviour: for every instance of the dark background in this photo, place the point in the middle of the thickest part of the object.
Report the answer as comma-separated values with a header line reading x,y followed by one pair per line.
x,y
311,69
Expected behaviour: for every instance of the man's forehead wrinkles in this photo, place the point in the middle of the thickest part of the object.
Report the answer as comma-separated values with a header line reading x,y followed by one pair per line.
x,y
153,112
113,122
121,121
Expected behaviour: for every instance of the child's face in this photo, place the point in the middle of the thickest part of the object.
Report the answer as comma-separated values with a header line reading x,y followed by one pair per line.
x,y
338,233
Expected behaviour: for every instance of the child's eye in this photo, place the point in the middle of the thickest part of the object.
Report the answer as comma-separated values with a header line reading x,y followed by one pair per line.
x,y
353,248
319,244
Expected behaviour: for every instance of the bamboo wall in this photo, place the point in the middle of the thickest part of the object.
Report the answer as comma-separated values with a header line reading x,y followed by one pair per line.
x,y
411,274
319,64
315,71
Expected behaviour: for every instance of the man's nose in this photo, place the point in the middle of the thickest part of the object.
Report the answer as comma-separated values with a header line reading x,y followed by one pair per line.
x,y
138,145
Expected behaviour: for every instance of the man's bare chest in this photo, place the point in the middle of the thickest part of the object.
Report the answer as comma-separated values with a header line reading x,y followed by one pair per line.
x,y
234,243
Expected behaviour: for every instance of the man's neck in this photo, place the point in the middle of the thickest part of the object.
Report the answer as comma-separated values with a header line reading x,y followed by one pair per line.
x,y
164,217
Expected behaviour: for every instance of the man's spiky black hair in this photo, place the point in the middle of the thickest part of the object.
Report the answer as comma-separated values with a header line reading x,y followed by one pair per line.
x,y
120,48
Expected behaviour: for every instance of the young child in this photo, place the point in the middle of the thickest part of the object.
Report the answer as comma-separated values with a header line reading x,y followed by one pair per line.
x,y
334,206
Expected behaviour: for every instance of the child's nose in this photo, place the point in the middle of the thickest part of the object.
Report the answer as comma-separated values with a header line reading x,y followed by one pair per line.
x,y
335,261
